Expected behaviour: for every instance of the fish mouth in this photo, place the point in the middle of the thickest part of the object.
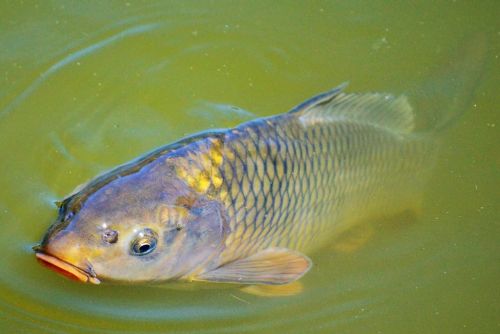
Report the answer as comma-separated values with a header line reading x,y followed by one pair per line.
x,y
67,269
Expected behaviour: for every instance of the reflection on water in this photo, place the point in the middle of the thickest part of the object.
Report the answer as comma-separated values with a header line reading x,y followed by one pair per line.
x,y
83,89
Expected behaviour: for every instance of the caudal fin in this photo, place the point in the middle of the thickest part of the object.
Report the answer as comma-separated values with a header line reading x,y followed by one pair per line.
x,y
448,92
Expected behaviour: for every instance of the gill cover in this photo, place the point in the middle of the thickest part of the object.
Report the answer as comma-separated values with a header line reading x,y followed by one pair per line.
x,y
203,232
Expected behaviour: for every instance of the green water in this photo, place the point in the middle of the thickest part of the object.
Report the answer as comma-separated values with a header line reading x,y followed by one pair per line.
x,y
85,87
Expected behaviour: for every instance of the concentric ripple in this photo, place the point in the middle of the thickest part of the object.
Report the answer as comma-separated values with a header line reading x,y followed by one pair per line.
x,y
104,85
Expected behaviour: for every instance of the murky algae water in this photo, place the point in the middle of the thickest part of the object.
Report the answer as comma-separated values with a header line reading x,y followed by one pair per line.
x,y
84,87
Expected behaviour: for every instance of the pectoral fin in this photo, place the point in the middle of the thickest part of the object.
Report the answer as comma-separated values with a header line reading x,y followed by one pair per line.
x,y
270,266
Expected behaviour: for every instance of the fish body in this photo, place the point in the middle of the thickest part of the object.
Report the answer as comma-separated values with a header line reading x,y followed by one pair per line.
x,y
245,205
298,179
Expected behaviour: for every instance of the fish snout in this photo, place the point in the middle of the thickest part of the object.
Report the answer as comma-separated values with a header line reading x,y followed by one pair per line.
x,y
63,254
63,244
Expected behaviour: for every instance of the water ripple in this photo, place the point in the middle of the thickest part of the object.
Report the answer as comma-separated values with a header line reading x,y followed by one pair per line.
x,y
72,57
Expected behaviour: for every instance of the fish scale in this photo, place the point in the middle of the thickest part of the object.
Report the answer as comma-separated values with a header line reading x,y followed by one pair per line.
x,y
288,185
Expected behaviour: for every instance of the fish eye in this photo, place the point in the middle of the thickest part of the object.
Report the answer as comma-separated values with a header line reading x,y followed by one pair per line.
x,y
109,236
145,243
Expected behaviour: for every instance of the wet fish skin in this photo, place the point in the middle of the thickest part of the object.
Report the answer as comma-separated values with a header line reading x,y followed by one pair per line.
x,y
243,205
295,182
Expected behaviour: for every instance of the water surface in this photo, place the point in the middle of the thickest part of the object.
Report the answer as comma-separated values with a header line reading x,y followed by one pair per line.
x,y
85,87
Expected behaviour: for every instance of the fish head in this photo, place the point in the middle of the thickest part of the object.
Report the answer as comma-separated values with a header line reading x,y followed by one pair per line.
x,y
136,228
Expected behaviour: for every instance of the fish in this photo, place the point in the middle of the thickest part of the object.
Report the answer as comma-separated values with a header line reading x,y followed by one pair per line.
x,y
246,205
249,205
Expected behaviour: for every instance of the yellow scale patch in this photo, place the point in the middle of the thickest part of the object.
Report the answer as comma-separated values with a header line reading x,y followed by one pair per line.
x,y
204,174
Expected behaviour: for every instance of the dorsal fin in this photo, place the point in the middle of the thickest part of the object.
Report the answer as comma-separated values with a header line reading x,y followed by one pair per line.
x,y
318,99
383,110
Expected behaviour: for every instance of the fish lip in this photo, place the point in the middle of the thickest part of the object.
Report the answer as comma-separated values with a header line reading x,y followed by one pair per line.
x,y
69,269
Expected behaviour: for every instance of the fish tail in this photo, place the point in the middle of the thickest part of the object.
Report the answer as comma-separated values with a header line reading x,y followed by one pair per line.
x,y
446,95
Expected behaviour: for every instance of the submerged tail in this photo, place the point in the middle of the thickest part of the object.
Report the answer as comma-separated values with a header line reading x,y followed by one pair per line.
x,y
443,98
438,102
